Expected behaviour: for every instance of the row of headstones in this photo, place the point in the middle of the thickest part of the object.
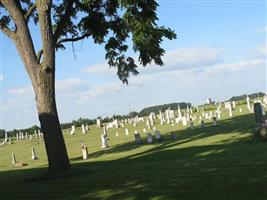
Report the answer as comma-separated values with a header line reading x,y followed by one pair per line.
x,y
104,136
16,163
22,136
167,118
170,115
85,129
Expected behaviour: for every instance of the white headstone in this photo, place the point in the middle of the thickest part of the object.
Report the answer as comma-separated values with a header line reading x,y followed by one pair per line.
x,y
184,121
98,122
248,103
85,152
104,141
13,159
126,131
83,129
72,131
34,157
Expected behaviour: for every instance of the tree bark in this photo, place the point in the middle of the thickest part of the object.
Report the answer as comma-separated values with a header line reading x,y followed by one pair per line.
x,y
44,88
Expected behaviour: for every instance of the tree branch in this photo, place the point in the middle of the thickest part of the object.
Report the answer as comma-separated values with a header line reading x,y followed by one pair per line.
x,y
7,31
62,22
75,39
30,11
39,55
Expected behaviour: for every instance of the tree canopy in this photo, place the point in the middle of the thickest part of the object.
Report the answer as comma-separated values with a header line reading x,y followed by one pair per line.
x,y
108,22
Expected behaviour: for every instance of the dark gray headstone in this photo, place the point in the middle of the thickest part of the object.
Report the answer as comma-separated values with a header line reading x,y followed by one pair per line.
x,y
137,138
258,113
173,136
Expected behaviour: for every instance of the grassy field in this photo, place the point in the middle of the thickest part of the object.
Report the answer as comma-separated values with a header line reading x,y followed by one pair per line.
x,y
222,162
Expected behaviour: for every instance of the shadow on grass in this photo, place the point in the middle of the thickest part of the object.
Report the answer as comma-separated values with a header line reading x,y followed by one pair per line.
x,y
241,124
234,170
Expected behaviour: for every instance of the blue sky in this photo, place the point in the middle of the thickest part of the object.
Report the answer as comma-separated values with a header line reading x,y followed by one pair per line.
x,y
220,51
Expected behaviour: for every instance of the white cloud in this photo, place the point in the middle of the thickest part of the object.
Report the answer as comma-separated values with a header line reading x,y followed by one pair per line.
x,y
262,29
101,68
1,77
97,91
68,85
260,51
180,58
20,91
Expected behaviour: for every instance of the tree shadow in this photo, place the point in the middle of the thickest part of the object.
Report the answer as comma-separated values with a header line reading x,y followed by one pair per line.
x,y
234,169
241,124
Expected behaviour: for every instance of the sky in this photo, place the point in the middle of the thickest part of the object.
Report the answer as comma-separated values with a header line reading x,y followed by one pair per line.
x,y
220,52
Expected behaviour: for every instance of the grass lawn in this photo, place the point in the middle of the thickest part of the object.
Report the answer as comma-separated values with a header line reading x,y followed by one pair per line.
x,y
222,162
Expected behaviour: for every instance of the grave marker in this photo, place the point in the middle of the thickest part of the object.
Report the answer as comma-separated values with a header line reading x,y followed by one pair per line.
x,y
34,157
149,138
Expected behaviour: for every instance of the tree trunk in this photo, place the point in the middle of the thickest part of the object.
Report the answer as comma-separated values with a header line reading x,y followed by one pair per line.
x,y
44,88
42,75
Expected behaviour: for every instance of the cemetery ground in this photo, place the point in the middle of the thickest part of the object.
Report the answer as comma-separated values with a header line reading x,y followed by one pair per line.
x,y
222,162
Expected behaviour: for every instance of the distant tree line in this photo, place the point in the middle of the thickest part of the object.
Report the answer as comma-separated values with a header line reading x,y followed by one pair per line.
x,y
13,132
156,109
244,96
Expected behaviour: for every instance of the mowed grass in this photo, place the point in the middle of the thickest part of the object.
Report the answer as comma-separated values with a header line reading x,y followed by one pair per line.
x,y
222,162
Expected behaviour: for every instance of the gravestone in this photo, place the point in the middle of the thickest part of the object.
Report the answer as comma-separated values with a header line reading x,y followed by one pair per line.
x,y
148,125
84,152
161,118
137,138
6,138
258,113
184,121
117,134
157,135
105,132
98,123
149,138
202,125
13,159
214,121
83,129
126,131
173,136
261,126
71,131
34,157
248,103
104,142
191,124
230,112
